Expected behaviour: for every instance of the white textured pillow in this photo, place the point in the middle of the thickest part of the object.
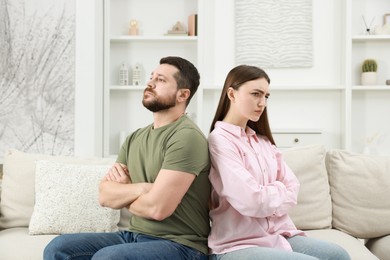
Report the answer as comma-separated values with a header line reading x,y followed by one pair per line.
x,y
66,200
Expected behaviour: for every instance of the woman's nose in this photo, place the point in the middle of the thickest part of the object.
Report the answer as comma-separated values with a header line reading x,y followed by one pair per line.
x,y
262,102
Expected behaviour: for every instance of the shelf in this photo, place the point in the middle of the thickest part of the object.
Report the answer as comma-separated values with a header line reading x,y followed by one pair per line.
x,y
306,88
369,38
127,87
215,87
290,88
369,88
128,38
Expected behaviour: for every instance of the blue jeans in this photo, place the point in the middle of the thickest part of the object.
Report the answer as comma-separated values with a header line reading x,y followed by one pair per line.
x,y
304,248
118,245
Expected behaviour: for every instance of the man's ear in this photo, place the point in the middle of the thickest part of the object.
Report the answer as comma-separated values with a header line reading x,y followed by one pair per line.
x,y
183,94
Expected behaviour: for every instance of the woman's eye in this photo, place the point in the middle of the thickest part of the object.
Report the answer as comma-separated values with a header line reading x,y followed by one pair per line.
x,y
255,94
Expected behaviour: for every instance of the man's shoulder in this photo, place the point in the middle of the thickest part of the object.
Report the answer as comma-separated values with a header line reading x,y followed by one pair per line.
x,y
143,129
188,127
189,122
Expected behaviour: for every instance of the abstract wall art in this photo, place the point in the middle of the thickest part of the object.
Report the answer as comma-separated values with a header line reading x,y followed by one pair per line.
x,y
273,33
37,78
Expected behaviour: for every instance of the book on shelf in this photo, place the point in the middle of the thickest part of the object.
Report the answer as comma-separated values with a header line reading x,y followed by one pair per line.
x,y
193,25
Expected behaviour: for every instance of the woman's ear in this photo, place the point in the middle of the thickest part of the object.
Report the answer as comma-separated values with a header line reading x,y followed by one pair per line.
x,y
230,94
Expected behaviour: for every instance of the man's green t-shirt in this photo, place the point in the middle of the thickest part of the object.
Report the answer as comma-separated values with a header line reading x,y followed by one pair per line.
x,y
179,146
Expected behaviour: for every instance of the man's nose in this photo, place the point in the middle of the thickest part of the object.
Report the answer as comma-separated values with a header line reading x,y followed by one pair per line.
x,y
151,83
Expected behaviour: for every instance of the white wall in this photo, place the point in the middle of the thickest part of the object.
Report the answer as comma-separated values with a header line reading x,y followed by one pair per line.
x,y
88,118
326,47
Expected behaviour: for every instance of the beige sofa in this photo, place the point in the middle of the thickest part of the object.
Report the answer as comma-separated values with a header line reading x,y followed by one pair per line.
x,y
344,198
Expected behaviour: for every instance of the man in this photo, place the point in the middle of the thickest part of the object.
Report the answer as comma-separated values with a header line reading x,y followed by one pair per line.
x,y
161,176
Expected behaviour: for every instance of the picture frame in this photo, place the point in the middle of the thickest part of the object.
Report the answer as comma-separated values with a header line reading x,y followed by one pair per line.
x,y
256,28
386,19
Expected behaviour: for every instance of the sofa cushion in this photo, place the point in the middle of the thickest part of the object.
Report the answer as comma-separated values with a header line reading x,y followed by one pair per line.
x,y
380,246
17,244
67,200
18,185
314,209
354,247
360,193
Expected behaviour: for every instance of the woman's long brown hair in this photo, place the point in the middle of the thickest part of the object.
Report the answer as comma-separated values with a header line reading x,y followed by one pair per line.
x,y
235,78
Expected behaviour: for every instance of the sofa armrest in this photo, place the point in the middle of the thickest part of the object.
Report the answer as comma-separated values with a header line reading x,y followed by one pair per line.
x,y
380,246
1,180
1,177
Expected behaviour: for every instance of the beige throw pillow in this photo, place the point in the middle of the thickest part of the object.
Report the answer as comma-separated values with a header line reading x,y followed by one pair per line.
x,y
314,208
18,185
360,193
66,200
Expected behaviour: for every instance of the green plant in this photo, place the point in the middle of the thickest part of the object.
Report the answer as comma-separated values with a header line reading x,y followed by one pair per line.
x,y
369,65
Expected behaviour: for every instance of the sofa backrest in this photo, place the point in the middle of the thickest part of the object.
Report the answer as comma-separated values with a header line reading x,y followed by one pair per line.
x,y
360,188
356,186
342,190
18,185
314,208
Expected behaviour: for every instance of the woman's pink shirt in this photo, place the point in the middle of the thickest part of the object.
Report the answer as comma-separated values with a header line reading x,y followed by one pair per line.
x,y
253,189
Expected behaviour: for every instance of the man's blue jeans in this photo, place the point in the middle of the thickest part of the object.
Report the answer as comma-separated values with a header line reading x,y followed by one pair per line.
x,y
118,245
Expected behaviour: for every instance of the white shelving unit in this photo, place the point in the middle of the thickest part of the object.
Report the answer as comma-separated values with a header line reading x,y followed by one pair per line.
x,y
123,110
325,103
367,106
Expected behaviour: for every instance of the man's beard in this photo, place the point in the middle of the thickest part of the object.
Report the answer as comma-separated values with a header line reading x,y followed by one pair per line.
x,y
157,104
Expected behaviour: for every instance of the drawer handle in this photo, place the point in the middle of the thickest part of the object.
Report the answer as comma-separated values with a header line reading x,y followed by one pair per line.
x,y
296,140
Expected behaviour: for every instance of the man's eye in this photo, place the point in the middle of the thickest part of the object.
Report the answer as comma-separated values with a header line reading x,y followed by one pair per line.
x,y
255,94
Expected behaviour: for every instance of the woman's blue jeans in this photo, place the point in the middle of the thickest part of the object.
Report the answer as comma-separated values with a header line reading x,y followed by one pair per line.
x,y
304,248
118,245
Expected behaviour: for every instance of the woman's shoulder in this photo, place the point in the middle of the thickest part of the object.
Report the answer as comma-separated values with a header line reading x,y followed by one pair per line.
x,y
267,143
219,134
220,140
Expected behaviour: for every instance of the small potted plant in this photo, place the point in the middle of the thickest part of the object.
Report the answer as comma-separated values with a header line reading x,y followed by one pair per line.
x,y
369,68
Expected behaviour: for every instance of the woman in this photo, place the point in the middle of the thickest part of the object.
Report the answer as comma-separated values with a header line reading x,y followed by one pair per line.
x,y
253,188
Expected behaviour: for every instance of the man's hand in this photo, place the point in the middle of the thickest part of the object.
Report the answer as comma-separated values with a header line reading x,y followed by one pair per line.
x,y
118,173
116,189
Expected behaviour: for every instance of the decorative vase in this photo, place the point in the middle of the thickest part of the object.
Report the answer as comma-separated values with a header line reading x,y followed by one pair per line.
x,y
368,78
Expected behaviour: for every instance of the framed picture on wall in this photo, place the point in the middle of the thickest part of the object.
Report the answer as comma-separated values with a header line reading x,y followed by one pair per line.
x,y
265,37
386,19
